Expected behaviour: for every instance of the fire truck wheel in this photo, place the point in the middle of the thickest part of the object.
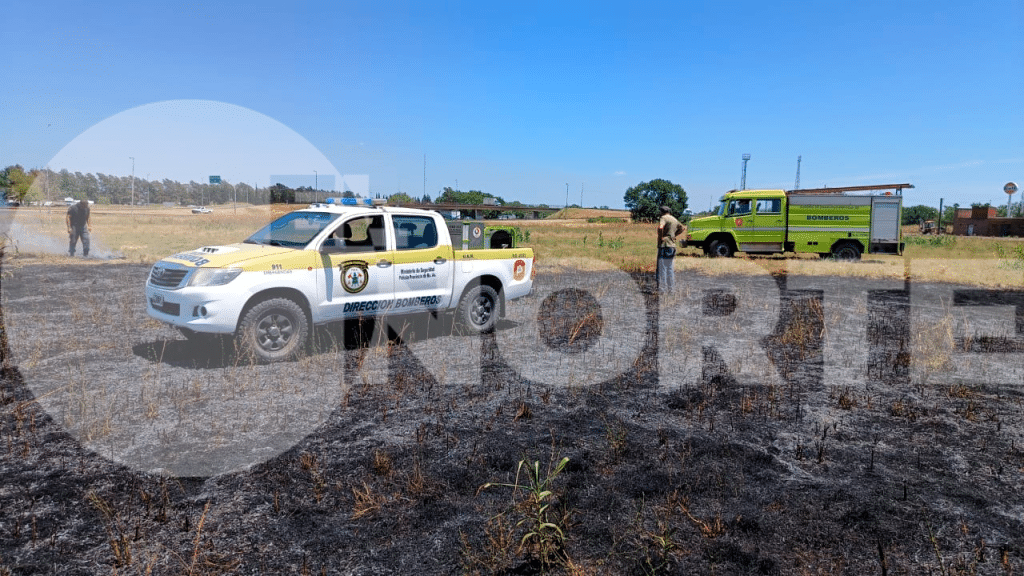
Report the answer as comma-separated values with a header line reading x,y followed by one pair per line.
x,y
846,251
721,249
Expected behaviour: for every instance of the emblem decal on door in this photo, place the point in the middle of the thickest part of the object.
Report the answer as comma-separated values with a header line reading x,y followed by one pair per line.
x,y
354,276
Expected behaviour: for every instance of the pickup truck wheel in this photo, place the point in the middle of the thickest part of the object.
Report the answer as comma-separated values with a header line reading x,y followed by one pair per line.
x,y
478,309
846,251
721,249
274,330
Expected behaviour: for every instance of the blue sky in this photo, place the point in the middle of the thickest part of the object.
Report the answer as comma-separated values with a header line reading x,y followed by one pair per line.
x,y
519,99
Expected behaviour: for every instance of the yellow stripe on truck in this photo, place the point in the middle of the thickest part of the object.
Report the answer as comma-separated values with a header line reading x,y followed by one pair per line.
x,y
421,255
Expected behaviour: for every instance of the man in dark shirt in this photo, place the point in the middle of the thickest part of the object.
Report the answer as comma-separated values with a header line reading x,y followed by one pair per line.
x,y
78,227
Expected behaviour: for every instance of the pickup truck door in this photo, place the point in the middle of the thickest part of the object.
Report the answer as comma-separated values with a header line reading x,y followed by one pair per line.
x,y
423,264
358,273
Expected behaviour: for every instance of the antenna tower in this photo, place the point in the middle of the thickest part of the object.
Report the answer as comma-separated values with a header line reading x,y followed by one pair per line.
x,y
797,185
743,178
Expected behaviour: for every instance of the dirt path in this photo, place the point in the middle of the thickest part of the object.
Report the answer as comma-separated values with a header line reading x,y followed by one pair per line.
x,y
773,426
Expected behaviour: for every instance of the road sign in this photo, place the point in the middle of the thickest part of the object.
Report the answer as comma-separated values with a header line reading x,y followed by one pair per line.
x,y
1010,188
214,179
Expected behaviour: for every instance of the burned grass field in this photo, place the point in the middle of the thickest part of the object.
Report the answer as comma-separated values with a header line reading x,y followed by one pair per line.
x,y
785,426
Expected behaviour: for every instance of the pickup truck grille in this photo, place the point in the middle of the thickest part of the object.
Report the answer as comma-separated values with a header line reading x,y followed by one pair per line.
x,y
165,277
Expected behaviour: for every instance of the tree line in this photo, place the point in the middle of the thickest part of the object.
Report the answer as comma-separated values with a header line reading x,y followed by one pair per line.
x,y
41,185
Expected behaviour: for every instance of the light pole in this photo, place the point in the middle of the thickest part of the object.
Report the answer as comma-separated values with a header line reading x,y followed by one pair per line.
x,y
133,181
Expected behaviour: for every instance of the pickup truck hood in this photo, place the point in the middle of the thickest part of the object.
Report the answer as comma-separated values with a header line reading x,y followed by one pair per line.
x,y
245,256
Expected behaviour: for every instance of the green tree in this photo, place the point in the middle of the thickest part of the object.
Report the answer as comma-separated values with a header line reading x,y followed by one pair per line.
x,y
646,198
918,214
17,182
949,214
451,196
425,199
281,194
474,197
400,198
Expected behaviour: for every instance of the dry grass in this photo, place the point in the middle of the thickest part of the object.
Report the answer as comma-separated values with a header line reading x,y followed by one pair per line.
x,y
148,234
141,235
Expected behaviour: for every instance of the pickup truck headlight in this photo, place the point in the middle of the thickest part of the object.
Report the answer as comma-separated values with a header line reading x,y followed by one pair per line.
x,y
214,276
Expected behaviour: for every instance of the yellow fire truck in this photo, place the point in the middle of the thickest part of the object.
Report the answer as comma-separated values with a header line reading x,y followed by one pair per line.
x,y
832,222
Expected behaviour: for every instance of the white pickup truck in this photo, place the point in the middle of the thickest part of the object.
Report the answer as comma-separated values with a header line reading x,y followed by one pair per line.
x,y
331,262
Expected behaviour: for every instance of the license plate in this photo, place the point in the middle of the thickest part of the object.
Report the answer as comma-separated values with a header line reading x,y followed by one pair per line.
x,y
157,300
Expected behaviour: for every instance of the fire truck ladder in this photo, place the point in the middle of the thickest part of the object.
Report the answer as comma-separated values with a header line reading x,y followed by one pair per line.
x,y
898,188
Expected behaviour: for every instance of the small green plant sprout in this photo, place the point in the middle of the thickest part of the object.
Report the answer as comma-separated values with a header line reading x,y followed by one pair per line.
x,y
544,537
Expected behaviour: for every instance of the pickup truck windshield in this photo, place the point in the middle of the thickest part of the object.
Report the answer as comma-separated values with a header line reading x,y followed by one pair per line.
x,y
293,230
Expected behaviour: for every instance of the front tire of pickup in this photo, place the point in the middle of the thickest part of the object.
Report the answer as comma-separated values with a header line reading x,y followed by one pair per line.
x,y
273,330
478,309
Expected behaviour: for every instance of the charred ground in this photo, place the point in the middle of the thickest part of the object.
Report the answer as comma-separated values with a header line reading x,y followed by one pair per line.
x,y
810,477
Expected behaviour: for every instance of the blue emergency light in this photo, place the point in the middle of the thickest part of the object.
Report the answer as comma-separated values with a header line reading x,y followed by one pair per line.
x,y
349,201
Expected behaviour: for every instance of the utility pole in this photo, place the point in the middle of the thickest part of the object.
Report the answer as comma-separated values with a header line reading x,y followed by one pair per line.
x,y
567,197
316,186
581,194
743,177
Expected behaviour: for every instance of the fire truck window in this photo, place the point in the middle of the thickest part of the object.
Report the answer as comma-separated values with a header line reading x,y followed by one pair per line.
x,y
738,207
769,206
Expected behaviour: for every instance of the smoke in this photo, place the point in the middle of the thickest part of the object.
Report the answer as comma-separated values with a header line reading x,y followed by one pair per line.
x,y
19,239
